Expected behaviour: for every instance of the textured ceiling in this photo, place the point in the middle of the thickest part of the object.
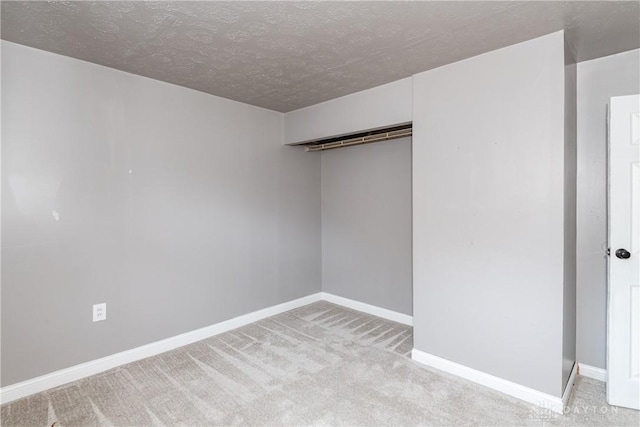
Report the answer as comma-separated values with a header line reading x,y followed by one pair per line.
x,y
288,55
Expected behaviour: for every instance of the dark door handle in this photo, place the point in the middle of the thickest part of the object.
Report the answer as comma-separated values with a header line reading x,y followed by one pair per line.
x,y
623,254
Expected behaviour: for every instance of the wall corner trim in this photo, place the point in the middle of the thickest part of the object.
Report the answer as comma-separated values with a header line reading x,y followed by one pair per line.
x,y
592,372
54,379
544,400
569,388
394,316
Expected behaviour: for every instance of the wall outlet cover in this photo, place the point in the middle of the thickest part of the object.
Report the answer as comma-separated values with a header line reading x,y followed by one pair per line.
x,y
100,312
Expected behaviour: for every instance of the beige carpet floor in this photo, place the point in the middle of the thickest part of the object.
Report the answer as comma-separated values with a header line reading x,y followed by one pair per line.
x,y
317,365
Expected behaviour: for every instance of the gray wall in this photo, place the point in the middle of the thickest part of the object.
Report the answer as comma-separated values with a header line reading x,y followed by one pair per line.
x,y
598,80
366,224
569,289
488,212
176,208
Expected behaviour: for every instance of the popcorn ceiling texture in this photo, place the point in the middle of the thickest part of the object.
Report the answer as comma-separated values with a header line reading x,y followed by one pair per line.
x,y
288,55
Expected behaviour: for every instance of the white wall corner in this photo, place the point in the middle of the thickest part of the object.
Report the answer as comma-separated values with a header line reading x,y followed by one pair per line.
x,y
527,394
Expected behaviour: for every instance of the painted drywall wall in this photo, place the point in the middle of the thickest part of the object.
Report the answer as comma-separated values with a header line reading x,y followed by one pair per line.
x,y
569,227
366,224
488,212
598,81
380,106
176,208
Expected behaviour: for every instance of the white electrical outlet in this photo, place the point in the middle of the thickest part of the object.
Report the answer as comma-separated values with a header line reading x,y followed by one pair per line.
x,y
99,312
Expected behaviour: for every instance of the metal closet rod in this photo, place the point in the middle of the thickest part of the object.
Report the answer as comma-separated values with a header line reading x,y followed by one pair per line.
x,y
387,136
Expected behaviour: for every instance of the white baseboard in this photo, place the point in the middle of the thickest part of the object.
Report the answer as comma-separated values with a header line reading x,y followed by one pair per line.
x,y
569,388
592,372
369,309
547,401
64,376
83,370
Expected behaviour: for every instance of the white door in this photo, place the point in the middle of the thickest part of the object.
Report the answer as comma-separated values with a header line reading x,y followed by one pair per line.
x,y
623,347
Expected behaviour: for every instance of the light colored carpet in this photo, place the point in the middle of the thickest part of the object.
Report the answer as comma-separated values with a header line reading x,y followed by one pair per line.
x,y
317,365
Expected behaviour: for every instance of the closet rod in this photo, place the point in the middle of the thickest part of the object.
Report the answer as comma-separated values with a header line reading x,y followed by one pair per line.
x,y
386,136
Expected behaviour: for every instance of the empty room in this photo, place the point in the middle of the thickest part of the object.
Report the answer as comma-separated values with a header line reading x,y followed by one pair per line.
x,y
296,213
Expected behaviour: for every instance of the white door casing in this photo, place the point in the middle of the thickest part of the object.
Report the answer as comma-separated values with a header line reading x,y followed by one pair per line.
x,y
623,338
